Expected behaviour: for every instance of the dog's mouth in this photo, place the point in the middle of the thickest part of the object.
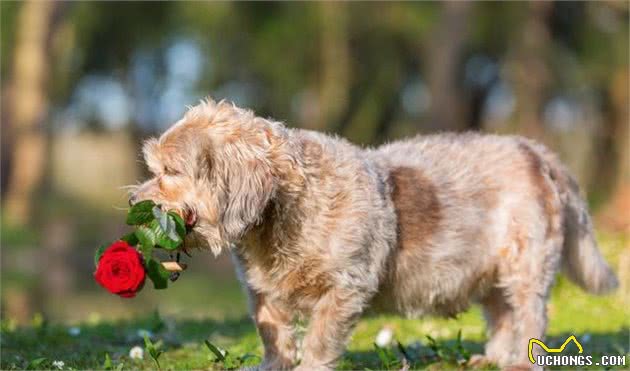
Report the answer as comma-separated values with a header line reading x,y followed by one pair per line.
x,y
190,218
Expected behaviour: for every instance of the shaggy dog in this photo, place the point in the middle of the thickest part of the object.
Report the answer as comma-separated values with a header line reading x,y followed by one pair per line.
x,y
321,228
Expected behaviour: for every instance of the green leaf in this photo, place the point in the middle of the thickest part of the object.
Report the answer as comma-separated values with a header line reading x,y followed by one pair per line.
x,y
141,213
387,357
166,238
219,353
107,365
130,238
382,356
463,353
403,351
231,363
171,223
158,274
180,225
247,356
157,212
147,253
99,252
148,344
147,239
171,230
153,350
146,236
36,364
168,226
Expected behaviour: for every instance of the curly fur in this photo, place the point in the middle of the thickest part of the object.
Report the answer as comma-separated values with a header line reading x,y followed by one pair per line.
x,y
321,228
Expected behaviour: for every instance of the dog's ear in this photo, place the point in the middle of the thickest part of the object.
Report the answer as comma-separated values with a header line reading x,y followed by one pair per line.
x,y
246,180
150,151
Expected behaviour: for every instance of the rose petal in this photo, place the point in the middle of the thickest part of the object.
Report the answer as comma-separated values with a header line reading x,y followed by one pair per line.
x,y
120,270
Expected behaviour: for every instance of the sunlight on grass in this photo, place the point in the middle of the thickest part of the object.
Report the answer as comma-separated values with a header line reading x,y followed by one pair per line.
x,y
601,324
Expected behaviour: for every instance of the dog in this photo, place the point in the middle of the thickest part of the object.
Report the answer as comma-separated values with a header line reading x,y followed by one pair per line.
x,y
326,230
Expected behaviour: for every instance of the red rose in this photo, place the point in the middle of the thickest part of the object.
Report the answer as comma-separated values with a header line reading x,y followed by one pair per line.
x,y
120,270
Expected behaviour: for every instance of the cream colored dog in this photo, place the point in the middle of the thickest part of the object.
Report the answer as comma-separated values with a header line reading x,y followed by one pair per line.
x,y
322,228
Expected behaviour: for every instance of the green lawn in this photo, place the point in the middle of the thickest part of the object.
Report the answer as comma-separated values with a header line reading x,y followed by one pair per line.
x,y
600,323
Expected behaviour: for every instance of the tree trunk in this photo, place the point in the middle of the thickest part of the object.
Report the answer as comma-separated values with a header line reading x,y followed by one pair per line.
x,y
448,107
528,70
27,107
335,62
616,214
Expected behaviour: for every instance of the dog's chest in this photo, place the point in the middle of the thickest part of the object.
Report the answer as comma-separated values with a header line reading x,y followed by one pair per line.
x,y
274,263
298,282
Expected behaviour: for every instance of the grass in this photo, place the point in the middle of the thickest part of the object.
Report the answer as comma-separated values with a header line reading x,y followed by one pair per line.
x,y
228,339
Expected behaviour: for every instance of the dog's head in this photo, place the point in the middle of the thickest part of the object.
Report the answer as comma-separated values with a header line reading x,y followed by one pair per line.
x,y
218,167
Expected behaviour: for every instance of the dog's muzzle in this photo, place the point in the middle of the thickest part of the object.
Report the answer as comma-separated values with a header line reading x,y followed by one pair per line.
x,y
190,218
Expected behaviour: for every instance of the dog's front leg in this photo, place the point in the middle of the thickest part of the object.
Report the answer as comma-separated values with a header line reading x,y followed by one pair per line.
x,y
331,321
275,327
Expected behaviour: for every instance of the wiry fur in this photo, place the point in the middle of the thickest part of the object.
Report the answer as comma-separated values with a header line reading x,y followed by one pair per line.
x,y
322,228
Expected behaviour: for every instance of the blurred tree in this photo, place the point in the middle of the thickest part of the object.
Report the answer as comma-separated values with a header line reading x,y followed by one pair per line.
x,y
617,213
444,53
335,63
348,62
8,11
528,70
379,69
604,46
28,105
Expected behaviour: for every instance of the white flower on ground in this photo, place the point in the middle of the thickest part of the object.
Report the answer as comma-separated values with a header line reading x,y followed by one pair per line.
x,y
136,353
384,337
74,331
58,364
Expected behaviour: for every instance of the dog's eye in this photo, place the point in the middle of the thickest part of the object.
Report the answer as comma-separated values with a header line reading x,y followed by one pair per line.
x,y
169,171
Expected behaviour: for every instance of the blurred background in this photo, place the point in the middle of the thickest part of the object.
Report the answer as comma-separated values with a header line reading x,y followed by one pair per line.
x,y
83,83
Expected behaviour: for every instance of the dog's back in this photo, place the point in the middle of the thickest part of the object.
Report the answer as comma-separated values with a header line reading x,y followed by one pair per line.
x,y
467,204
485,218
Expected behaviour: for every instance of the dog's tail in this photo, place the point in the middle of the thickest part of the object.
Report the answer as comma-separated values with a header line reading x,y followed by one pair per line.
x,y
581,260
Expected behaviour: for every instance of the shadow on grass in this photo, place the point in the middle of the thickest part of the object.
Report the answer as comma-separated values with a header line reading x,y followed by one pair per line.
x,y
596,344
420,356
417,354
85,347
198,330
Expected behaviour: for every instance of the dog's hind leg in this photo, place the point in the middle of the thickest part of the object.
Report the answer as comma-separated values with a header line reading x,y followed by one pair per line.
x,y
499,316
530,316
527,286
